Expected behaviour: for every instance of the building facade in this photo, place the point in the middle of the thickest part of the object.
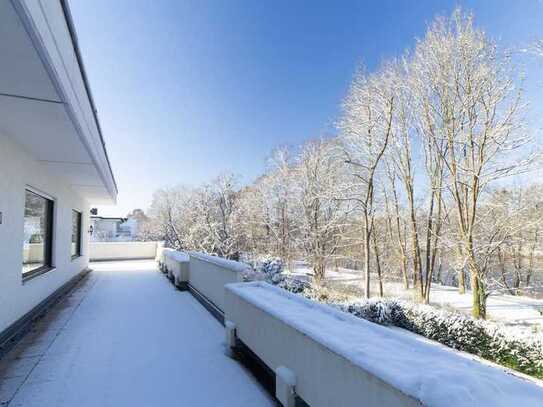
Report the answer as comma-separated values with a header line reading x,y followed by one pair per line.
x,y
53,160
111,229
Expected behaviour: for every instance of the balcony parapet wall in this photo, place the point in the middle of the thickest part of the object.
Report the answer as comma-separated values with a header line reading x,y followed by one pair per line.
x,y
321,356
105,251
334,358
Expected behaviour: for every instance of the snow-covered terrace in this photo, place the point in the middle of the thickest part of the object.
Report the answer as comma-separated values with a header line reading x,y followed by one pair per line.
x,y
126,337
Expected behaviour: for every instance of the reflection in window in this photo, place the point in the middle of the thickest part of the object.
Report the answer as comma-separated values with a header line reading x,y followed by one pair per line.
x,y
76,234
38,233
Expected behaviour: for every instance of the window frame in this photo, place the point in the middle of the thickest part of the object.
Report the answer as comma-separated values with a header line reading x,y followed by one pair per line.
x,y
78,251
49,236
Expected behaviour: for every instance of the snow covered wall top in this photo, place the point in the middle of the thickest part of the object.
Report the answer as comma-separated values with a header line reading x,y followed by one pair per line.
x,y
176,255
219,261
429,372
163,252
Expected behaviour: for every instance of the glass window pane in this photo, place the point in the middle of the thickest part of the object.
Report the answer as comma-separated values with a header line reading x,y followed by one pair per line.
x,y
36,245
76,234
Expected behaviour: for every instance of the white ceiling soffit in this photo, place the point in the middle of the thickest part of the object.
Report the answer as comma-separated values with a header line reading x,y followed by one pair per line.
x,y
44,103
43,129
22,70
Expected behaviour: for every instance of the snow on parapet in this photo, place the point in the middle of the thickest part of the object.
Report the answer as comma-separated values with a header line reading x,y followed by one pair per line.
x,y
176,255
219,261
431,373
163,253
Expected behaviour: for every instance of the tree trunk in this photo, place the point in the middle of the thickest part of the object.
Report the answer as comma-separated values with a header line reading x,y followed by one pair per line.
x,y
531,258
461,281
378,265
530,270
461,278
318,270
501,262
366,255
477,290
428,252
401,241
417,263
476,302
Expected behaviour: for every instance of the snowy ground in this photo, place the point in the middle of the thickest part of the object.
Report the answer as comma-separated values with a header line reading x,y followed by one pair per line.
x,y
126,337
520,312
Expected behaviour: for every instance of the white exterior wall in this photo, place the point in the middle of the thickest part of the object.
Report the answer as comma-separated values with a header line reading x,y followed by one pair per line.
x,y
18,170
160,249
122,250
48,19
210,278
177,266
323,378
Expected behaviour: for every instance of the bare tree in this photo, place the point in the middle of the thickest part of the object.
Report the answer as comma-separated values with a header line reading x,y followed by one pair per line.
x,y
396,226
366,127
412,188
537,48
277,189
320,215
475,119
166,211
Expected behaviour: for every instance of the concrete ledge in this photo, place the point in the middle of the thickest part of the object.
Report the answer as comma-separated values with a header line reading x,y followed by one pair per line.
x,y
105,251
209,274
324,378
339,359
203,275
176,266
121,259
161,253
231,265
11,335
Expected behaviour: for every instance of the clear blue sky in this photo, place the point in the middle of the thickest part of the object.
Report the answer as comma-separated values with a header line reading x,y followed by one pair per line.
x,y
188,89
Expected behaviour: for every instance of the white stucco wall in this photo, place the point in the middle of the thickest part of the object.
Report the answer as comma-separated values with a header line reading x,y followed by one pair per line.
x,y
47,18
160,251
177,266
122,250
17,170
323,377
209,275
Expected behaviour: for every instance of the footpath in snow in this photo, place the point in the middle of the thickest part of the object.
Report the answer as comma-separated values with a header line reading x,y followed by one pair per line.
x,y
126,337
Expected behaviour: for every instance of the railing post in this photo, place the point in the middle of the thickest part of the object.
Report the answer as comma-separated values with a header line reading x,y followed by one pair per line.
x,y
230,336
285,386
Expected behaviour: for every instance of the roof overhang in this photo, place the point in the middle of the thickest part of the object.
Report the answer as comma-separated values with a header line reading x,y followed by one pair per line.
x,y
45,102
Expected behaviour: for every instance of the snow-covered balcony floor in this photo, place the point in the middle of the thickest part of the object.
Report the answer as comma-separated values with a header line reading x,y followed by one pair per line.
x,y
126,337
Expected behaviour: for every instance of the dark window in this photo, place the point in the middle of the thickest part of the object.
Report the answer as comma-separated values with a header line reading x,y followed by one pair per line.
x,y
76,234
38,234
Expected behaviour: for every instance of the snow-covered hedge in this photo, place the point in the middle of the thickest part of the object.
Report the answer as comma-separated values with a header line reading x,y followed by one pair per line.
x,y
481,338
458,331
270,269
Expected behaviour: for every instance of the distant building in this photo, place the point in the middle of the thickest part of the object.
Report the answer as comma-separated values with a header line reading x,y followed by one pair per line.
x,y
112,229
